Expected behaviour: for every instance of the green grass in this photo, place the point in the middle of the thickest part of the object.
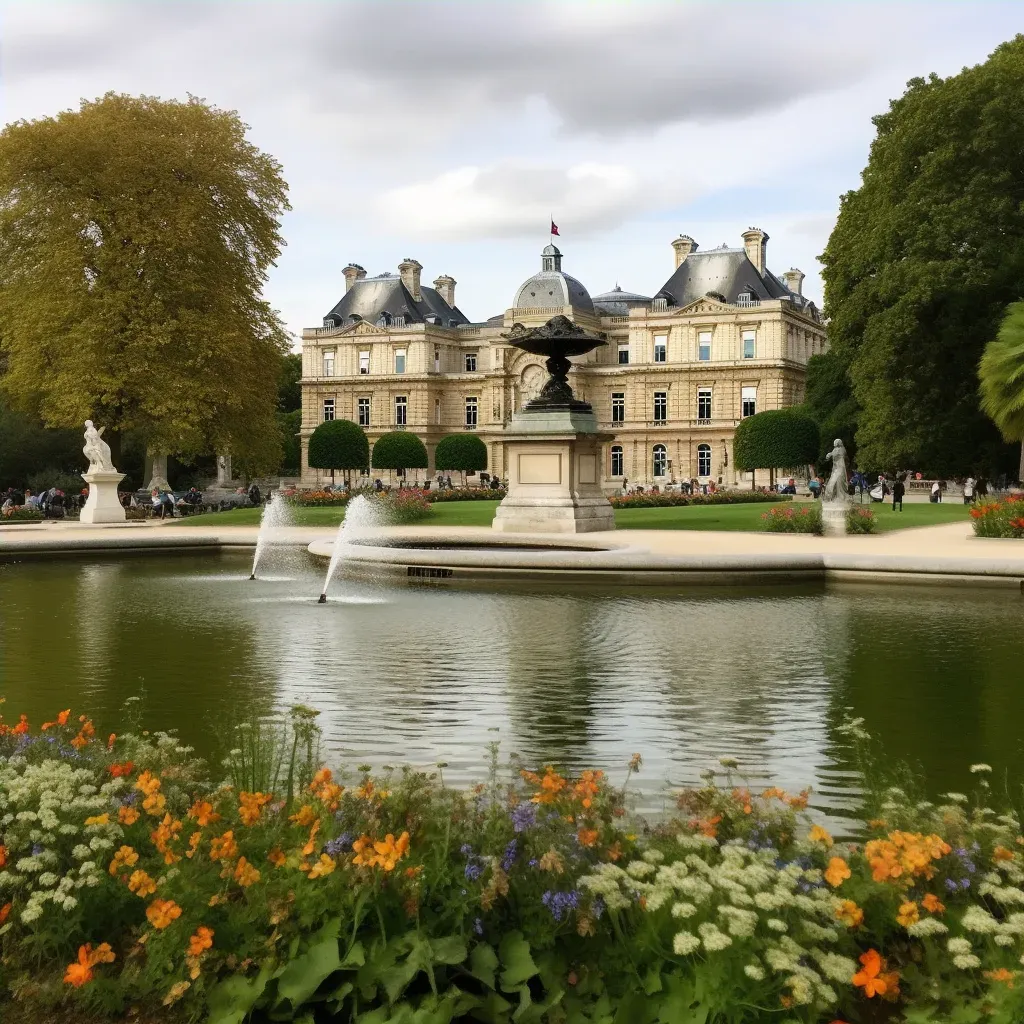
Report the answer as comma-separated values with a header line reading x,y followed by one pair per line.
x,y
696,517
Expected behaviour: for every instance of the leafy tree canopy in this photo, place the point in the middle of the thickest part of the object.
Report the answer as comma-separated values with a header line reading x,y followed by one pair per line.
x,y
831,404
289,390
778,438
399,450
464,452
339,444
1002,378
135,237
923,260
289,423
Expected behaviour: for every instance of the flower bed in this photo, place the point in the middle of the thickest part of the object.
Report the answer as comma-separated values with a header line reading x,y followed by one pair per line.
x,y
648,500
860,520
806,519
1000,518
21,514
132,878
405,506
317,499
466,494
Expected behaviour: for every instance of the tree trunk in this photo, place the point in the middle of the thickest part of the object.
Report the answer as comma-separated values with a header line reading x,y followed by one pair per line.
x,y
1020,468
753,479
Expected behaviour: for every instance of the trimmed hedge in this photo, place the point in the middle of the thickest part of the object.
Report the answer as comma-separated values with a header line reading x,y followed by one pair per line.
x,y
339,444
778,438
399,450
465,453
718,498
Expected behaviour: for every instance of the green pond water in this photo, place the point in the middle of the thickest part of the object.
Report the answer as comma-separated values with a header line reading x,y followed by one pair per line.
x,y
414,676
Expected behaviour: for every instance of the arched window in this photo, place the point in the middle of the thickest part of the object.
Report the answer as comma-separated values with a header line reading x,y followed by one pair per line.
x,y
661,459
616,460
703,460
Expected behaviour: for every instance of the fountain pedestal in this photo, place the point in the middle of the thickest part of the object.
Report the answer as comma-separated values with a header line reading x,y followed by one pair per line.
x,y
103,504
833,518
553,445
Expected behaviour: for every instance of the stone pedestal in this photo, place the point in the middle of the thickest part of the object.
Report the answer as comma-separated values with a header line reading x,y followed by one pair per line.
x,y
833,518
102,505
554,474
158,474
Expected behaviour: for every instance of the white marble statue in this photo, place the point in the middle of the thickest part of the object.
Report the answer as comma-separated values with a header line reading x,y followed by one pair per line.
x,y
96,450
837,488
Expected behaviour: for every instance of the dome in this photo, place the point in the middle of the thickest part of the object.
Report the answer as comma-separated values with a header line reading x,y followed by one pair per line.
x,y
618,302
551,288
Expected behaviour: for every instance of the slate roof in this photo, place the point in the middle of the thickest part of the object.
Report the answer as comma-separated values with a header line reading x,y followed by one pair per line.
x,y
618,302
371,296
725,271
553,289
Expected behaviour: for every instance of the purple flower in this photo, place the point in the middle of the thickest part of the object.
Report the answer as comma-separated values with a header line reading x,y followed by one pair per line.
x,y
951,884
478,926
965,883
510,855
38,849
533,862
466,850
335,846
130,798
560,903
473,871
598,907
523,817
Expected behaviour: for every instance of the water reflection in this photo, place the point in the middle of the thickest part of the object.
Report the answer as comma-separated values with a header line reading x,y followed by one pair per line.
x,y
421,675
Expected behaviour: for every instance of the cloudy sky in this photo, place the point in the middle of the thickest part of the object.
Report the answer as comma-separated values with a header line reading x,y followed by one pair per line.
x,y
449,131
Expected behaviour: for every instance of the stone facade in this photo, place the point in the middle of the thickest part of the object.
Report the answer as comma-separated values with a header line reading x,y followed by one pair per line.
x,y
677,373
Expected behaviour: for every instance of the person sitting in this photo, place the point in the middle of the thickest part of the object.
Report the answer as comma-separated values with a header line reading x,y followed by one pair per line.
x,y
254,494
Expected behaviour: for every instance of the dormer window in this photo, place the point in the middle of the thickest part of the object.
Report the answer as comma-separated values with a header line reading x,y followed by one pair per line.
x,y
384,320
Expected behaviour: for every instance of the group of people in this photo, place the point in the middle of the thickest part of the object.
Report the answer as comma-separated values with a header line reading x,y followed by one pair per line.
x,y
52,502
693,486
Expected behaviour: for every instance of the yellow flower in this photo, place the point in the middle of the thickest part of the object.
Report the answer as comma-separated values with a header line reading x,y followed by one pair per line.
x,y
99,819
850,914
324,866
305,816
837,872
141,884
162,913
908,914
245,873
819,835
176,991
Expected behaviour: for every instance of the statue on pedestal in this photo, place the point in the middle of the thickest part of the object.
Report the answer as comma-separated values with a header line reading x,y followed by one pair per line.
x,y
96,450
837,488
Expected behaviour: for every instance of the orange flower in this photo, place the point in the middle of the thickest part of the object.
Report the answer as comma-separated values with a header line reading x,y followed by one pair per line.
x,y
163,835
110,740
126,857
154,804
549,786
122,769
3,855
276,857
147,783
837,872
326,790
250,805
367,791
933,904
128,815
588,786
311,842
615,851
908,914
224,847
324,866
743,798
22,727
202,813
850,914
62,719
201,941
245,873
820,835
162,913
391,851
868,977
80,972
706,826
5,912
363,850
193,844
141,884
305,816
1002,853
800,801
1003,975
587,836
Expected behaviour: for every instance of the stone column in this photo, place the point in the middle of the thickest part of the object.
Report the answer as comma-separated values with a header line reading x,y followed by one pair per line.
x,y
158,473
224,470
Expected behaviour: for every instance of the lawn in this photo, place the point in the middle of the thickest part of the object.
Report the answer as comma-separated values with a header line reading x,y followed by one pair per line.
x,y
697,517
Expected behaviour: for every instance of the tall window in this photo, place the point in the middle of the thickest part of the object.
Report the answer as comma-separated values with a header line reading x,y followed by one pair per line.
x,y
328,409
749,344
328,362
660,348
363,409
623,355
704,346
471,412
660,460
399,360
470,362
364,362
748,402
616,460
703,460
660,406
618,406
401,410
437,410
703,403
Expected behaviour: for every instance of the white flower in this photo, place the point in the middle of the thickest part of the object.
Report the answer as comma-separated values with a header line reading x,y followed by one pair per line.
x,y
966,961
639,869
927,926
975,768
777,925
959,945
754,971
976,919
685,943
683,910
835,967
653,856
714,940
1003,939
47,879
957,798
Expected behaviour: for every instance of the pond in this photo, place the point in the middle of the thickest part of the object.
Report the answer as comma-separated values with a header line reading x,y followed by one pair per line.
x,y
584,679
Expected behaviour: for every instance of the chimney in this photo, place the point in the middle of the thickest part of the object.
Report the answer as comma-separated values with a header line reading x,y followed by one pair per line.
x,y
445,286
353,272
410,273
794,280
683,246
755,241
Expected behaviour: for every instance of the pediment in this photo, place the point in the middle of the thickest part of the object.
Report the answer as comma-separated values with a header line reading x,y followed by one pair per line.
x,y
362,328
703,305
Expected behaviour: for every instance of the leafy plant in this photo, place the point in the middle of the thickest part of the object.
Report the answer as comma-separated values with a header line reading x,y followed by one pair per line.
x,y
999,518
860,520
776,439
399,450
803,519
339,444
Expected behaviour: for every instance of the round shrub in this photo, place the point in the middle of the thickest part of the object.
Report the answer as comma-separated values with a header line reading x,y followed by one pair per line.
x,y
463,452
399,450
339,444
777,439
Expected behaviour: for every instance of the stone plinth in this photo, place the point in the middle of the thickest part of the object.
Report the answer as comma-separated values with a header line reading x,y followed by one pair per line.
x,y
103,504
554,472
833,518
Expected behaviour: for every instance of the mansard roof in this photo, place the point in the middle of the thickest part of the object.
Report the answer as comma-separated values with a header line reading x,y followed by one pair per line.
x,y
726,271
369,297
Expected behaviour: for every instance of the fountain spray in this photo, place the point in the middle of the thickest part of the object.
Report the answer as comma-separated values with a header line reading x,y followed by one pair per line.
x,y
276,514
360,514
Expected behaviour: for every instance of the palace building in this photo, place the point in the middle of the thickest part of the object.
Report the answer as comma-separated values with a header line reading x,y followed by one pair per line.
x,y
721,339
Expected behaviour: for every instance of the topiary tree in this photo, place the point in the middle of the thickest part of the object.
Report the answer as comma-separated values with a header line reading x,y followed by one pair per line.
x,y
339,444
400,451
779,438
464,452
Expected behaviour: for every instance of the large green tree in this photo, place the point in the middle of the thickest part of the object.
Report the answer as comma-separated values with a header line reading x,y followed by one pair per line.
x,y
463,452
775,439
830,403
923,260
135,237
399,450
339,444
1002,379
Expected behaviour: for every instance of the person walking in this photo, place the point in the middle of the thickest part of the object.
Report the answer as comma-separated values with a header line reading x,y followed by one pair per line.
x,y
936,496
899,488
969,486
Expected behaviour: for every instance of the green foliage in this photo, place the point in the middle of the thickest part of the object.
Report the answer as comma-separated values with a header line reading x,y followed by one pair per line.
x,y
26,446
22,514
463,452
776,439
289,390
793,519
339,444
399,450
860,519
1002,378
999,518
831,404
673,500
405,506
289,423
135,238
924,259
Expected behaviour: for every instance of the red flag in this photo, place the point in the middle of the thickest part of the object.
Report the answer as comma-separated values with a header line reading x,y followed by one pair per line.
x,y
554,228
